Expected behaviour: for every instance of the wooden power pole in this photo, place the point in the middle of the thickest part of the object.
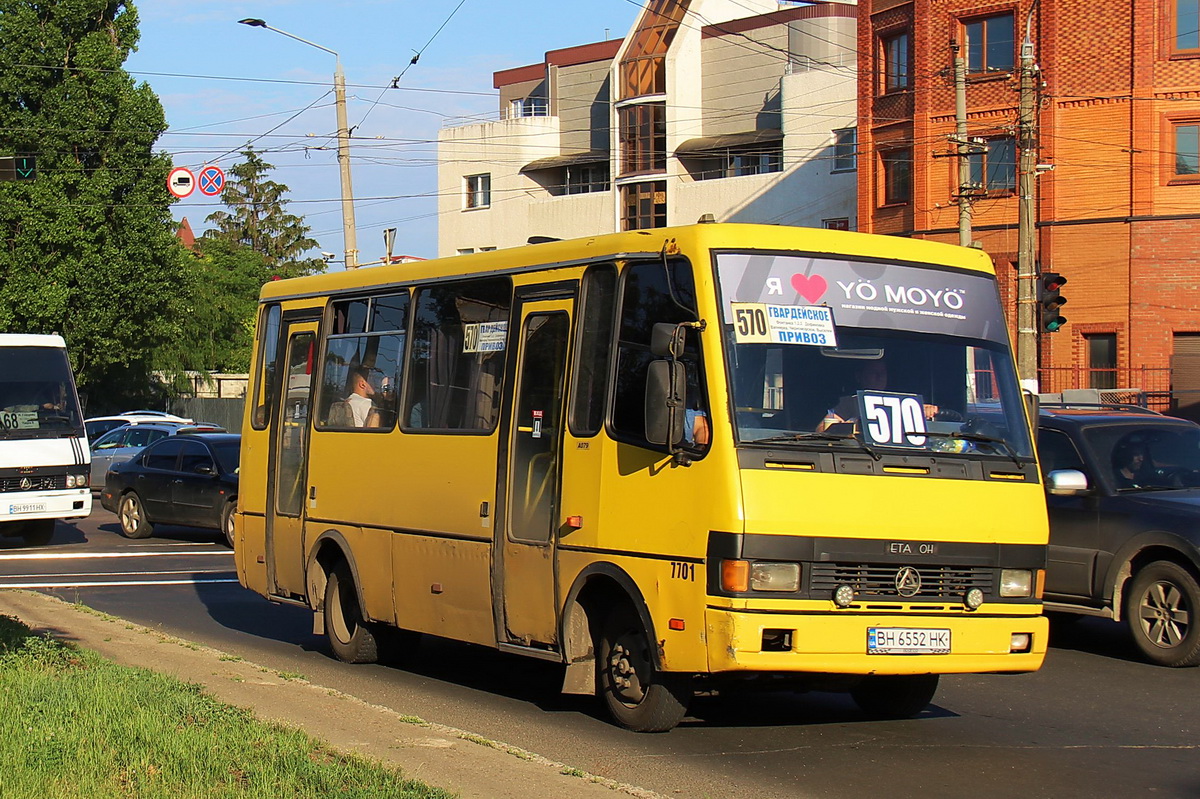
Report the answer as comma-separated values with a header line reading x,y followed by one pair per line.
x,y
1027,278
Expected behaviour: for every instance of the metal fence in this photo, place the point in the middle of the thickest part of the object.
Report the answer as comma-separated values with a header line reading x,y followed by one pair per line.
x,y
226,412
1147,386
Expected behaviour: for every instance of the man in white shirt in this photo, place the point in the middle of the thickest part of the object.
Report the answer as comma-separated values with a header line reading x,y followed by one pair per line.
x,y
358,409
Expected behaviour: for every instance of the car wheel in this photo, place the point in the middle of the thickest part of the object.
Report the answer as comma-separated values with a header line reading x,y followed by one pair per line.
x,y
1161,609
227,521
895,696
350,637
38,533
132,516
636,694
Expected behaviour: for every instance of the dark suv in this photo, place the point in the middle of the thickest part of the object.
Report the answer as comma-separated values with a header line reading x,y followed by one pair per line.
x,y
1123,491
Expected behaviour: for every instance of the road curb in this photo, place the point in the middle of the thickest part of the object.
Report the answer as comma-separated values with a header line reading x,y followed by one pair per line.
x,y
471,765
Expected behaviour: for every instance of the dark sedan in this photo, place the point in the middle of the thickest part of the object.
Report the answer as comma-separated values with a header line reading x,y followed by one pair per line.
x,y
190,480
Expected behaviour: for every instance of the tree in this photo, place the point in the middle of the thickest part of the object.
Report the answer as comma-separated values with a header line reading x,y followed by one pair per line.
x,y
87,248
258,219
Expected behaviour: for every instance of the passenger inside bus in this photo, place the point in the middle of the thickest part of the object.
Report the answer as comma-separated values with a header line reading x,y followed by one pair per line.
x,y
358,408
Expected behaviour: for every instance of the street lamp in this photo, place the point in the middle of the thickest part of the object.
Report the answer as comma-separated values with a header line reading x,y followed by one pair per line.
x,y
343,135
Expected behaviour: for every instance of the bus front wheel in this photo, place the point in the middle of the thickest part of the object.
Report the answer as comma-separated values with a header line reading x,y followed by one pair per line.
x,y
895,696
638,696
351,639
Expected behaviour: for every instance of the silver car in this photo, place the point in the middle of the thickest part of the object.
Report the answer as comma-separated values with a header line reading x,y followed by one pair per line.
x,y
120,445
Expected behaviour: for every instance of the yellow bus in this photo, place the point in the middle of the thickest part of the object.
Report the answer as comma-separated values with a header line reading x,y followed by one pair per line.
x,y
668,459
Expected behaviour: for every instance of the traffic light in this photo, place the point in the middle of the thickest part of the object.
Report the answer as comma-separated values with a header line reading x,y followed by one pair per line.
x,y
20,167
1051,300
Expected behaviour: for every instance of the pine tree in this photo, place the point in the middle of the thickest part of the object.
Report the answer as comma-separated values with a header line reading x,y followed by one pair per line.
x,y
258,218
87,248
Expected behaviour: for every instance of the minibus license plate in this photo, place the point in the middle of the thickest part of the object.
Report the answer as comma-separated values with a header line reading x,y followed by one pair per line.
x,y
27,507
907,641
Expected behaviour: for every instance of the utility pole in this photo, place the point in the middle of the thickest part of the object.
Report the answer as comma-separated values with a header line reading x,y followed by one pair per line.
x,y
343,134
1027,315
962,150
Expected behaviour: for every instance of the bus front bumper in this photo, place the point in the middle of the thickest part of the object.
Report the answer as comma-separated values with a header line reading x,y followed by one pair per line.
x,y
842,643
23,506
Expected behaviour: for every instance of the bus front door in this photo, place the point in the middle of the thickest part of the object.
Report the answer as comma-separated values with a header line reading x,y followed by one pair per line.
x,y
535,428
289,465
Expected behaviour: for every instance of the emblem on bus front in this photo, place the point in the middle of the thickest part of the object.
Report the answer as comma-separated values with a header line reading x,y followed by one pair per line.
x,y
908,581
26,484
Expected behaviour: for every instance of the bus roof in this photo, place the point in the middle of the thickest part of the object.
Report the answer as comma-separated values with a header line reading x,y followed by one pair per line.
x,y
32,340
642,242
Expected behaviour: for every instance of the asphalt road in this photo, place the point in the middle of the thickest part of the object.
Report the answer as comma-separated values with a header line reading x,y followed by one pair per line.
x,y
1094,722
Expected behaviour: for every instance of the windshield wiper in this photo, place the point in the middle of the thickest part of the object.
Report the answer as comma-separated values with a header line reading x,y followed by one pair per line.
x,y
980,438
793,437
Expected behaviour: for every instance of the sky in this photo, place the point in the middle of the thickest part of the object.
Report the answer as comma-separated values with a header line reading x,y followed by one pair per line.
x,y
225,85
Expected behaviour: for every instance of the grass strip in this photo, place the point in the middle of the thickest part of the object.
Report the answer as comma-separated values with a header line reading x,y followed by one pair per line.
x,y
73,724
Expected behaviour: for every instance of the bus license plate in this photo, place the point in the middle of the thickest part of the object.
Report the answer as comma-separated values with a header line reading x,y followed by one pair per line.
x,y
27,507
907,641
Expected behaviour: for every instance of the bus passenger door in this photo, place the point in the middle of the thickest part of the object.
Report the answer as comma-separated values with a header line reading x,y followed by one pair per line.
x,y
527,572
287,478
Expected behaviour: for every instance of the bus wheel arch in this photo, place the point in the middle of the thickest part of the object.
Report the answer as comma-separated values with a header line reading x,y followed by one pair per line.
x,y
597,591
335,593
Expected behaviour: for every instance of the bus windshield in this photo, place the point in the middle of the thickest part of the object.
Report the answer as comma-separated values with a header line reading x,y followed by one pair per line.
x,y
891,355
37,394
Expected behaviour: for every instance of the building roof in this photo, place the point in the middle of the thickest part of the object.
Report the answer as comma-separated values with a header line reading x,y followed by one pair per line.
x,y
555,161
564,57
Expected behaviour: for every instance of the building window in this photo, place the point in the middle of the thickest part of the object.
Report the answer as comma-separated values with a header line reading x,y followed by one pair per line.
x,y
990,44
841,223
895,62
478,191
529,107
897,176
644,68
644,205
586,178
1185,24
1187,149
465,250
643,133
1102,360
845,150
996,168
735,162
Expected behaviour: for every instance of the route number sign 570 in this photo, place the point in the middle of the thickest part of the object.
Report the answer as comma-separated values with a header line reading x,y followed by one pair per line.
x,y
890,419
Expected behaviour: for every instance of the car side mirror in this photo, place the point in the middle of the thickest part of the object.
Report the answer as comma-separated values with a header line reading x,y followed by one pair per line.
x,y
1066,483
205,468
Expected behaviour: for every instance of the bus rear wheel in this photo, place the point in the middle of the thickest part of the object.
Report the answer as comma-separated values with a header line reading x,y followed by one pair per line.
x,y
895,696
350,637
638,696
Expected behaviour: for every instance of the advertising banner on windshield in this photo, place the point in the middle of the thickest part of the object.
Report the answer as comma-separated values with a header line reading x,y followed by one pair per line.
x,y
865,294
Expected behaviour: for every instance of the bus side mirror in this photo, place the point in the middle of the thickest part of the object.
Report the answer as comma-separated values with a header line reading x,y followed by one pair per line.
x,y
666,382
666,340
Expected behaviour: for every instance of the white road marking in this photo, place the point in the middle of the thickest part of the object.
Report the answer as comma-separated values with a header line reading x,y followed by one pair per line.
x,y
75,575
99,555
117,583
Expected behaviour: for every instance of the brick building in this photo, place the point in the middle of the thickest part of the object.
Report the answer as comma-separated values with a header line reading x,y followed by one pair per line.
x,y
1118,190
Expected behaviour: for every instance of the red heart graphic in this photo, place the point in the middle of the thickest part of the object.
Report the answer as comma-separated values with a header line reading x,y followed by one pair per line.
x,y
810,288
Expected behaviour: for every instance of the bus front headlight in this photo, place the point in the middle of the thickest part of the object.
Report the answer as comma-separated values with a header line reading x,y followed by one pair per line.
x,y
775,577
1016,582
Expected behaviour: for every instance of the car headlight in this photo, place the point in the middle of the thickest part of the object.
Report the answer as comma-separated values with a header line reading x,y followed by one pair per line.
x,y
1016,582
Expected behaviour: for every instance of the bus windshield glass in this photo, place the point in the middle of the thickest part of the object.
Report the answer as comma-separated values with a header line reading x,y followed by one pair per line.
x,y
37,394
890,355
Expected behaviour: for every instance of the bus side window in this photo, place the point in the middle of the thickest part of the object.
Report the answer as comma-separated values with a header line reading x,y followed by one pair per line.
x,y
595,331
363,364
648,298
456,362
264,381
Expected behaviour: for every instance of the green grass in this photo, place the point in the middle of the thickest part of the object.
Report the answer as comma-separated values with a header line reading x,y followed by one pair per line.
x,y
73,724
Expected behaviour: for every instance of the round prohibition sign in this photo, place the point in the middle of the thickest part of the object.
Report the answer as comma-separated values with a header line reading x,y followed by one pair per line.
x,y
180,182
212,180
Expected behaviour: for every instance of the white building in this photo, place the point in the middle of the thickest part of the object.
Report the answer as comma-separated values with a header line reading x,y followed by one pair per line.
x,y
700,110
